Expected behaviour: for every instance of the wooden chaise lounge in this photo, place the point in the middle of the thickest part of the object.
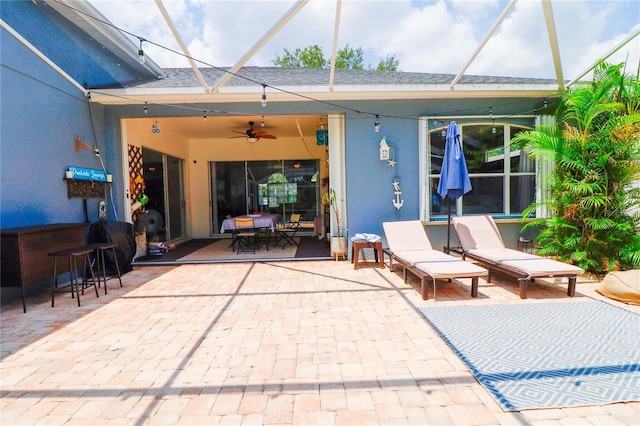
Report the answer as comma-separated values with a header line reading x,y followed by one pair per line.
x,y
481,241
409,246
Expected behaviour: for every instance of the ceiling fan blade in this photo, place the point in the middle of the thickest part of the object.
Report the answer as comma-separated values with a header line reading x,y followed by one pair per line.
x,y
267,136
242,133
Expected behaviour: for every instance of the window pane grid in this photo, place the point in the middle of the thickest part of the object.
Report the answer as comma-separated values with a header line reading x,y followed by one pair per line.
x,y
503,179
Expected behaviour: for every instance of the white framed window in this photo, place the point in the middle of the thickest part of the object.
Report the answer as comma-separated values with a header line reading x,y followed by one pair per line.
x,y
503,178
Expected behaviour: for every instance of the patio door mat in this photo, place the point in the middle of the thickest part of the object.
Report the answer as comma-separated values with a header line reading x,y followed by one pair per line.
x,y
545,355
218,250
221,250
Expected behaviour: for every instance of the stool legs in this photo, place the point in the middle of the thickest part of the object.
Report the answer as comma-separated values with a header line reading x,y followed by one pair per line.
x,y
99,250
115,260
74,278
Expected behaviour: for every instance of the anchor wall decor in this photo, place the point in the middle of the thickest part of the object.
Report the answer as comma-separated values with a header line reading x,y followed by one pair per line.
x,y
397,202
385,155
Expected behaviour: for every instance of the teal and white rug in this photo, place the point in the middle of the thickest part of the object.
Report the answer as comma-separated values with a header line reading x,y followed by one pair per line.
x,y
545,355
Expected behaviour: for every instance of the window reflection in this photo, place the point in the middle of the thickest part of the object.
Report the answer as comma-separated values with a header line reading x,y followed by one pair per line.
x,y
495,169
485,197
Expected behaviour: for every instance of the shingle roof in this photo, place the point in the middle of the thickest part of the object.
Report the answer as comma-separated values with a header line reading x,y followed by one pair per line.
x,y
277,76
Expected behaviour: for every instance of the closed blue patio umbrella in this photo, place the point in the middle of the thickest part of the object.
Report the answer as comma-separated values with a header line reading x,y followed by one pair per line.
x,y
454,176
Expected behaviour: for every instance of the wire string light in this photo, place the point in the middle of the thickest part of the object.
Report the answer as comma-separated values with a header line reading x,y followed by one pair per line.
x,y
264,96
141,58
204,115
376,124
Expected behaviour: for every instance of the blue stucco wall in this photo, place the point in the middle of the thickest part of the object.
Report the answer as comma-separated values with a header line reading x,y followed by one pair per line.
x,y
41,112
370,189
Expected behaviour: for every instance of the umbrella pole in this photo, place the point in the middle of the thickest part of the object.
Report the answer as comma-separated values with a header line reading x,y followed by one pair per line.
x,y
448,225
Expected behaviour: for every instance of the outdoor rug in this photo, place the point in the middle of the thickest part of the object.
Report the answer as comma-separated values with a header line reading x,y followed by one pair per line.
x,y
221,250
545,355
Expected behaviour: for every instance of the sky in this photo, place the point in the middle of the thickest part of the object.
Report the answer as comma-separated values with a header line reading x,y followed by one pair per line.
x,y
425,36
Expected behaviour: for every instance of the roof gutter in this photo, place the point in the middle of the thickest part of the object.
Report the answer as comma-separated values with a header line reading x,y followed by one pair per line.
x,y
42,56
82,14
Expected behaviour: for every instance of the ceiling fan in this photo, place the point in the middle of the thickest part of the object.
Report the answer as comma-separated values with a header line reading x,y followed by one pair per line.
x,y
254,134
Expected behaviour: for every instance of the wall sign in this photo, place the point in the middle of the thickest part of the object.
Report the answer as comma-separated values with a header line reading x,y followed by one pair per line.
x,y
82,173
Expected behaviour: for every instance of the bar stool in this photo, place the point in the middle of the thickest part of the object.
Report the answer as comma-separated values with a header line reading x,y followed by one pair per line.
x,y
99,249
74,280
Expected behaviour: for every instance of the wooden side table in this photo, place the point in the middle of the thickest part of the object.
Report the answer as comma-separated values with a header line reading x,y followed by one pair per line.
x,y
356,246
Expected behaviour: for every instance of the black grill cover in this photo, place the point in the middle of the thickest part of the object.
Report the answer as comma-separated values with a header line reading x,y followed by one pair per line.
x,y
123,233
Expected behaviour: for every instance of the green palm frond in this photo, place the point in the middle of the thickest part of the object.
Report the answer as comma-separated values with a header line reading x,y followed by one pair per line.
x,y
596,151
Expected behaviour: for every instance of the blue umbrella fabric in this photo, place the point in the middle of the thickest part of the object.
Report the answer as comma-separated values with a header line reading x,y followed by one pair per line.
x,y
454,176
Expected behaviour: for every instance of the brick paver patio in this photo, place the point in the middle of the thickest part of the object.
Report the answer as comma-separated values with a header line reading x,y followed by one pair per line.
x,y
258,343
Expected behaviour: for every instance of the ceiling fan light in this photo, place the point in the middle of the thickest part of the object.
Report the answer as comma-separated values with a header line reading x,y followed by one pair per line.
x,y
252,139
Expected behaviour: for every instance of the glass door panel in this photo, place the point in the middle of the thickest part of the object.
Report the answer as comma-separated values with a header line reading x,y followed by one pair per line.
x,y
153,174
279,187
175,198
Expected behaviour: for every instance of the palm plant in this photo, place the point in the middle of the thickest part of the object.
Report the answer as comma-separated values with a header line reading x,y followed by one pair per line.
x,y
330,199
595,149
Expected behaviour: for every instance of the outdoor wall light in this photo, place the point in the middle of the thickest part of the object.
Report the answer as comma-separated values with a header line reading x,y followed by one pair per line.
x,y
384,149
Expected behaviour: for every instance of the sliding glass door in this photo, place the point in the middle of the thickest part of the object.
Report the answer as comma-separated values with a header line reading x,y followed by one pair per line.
x,y
164,185
280,186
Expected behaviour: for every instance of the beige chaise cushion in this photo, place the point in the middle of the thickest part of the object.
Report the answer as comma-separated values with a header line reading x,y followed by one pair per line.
x,y
409,244
481,239
478,233
406,235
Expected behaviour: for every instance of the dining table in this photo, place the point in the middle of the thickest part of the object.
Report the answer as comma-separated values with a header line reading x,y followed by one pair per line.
x,y
263,220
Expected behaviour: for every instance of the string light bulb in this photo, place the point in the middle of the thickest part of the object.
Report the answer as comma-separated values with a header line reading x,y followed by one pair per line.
x,y
204,115
146,110
443,132
262,122
321,124
264,96
493,128
376,124
141,57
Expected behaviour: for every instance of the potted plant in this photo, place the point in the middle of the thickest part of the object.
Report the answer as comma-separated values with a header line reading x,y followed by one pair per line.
x,y
338,242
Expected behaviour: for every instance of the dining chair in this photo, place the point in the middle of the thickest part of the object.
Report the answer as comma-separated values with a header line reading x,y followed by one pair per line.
x,y
288,231
245,235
